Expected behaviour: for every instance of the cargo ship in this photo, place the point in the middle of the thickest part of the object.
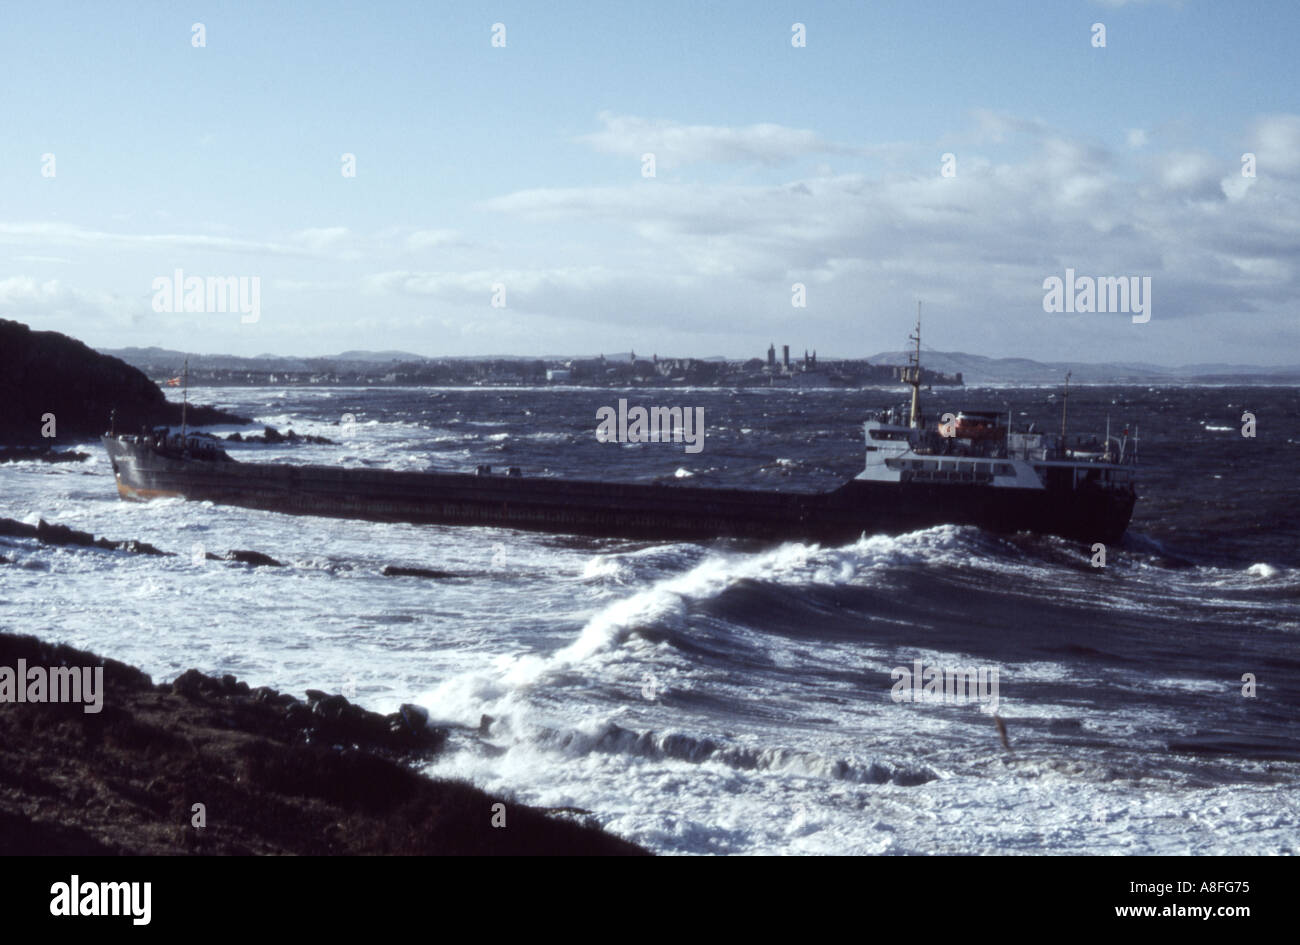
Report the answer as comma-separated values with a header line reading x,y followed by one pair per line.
x,y
968,468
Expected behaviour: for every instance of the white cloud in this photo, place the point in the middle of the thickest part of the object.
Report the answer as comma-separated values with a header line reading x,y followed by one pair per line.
x,y
665,258
996,126
1276,141
63,234
1188,170
674,144
434,239
477,285
321,239
985,239
25,299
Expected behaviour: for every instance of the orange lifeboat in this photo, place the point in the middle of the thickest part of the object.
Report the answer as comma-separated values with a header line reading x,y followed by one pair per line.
x,y
976,426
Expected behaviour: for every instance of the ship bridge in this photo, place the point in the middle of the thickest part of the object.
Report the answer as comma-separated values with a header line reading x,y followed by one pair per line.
x,y
979,448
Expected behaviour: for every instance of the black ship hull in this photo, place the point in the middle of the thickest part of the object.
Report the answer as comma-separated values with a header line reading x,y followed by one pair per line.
x,y
623,510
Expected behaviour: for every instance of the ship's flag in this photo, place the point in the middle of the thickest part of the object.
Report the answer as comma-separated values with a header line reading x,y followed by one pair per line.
x,y
174,382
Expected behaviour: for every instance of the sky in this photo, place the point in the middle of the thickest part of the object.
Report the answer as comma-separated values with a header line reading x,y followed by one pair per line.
x,y
959,153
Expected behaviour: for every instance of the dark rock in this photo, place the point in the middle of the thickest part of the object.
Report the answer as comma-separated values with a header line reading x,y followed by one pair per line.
x,y
416,717
12,529
394,571
271,435
331,707
141,548
251,557
62,535
189,683
45,455
298,715
50,534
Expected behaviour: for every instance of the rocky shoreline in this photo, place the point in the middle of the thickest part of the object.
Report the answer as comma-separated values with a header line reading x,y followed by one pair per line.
x,y
210,766
21,454
48,534
62,536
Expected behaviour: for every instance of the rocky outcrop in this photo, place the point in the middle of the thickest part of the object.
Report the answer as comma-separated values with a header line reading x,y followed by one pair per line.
x,y
206,765
52,534
44,373
27,454
392,570
48,534
255,558
272,435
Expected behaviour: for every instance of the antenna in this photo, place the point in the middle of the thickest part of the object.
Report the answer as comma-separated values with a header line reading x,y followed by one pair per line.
x,y
185,404
1065,403
913,373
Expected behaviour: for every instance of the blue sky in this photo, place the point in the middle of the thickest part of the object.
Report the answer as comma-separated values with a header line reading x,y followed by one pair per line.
x,y
775,165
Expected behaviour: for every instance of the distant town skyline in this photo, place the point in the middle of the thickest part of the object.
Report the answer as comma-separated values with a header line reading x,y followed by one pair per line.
x,y
528,181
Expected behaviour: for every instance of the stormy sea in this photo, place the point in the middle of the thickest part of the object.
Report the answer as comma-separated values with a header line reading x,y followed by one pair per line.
x,y
719,698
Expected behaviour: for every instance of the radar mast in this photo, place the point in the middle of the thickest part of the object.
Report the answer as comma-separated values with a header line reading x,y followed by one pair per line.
x,y
912,373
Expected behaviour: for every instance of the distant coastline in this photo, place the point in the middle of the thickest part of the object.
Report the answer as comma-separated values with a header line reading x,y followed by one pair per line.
x,y
404,369
627,370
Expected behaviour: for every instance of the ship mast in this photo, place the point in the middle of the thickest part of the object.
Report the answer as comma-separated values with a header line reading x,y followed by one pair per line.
x,y
1065,403
185,403
912,374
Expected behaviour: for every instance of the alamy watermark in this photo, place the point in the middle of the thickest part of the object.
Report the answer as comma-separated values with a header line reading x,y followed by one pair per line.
x,y
75,898
181,293
923,683
651,425
56,684
1102,294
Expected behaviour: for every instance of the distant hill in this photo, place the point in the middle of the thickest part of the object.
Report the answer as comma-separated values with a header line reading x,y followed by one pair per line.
x,y
158,362
44,372
163,361
976,369
374,356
